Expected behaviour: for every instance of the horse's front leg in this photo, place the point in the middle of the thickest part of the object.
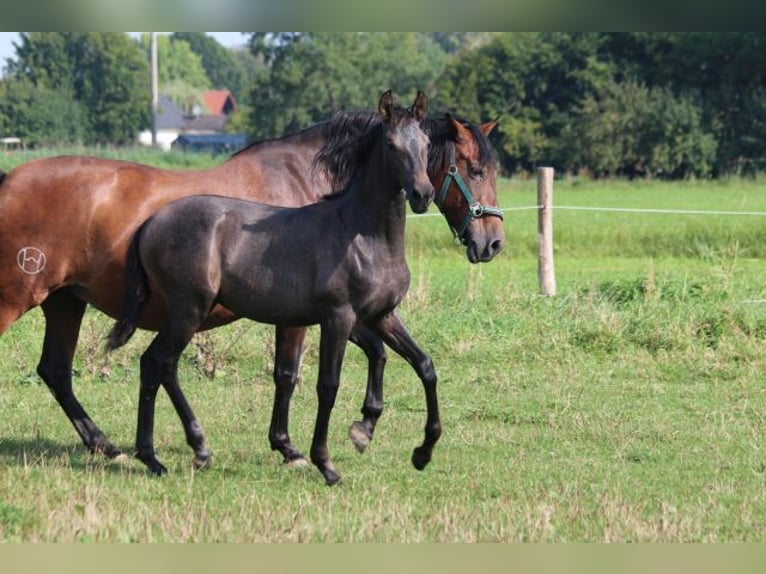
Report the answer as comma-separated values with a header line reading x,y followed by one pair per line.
x,y
287,359
332,347
361,432
391,329
63,316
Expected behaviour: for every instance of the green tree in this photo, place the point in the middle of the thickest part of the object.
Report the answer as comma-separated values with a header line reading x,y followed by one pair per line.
x,y
103,72
530,82
40,116
724,73
631,130
181,75
310,75
225,68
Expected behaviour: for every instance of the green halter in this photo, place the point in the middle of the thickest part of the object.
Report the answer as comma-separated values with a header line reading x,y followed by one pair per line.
x,y
475,209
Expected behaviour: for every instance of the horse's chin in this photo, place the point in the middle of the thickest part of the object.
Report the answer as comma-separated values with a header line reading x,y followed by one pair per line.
x,y
472,253
419,206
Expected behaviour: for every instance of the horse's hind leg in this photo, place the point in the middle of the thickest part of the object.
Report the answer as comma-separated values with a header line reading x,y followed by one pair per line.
x,y
361,432
63,316
289,344
392,330
159,366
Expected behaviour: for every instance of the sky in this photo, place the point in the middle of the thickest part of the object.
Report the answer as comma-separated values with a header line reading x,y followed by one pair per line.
x,y
228,39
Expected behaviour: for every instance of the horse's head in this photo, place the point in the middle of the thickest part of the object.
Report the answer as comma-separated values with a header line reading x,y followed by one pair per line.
x,y
467,195
407,146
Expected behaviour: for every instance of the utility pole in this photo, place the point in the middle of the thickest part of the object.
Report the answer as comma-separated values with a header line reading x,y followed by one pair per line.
x,y
155,88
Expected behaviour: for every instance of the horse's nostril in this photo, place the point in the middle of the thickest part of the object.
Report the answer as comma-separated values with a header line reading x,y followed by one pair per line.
x,y
496,245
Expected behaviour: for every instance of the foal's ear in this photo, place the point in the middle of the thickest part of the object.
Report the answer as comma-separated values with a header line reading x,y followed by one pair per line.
x,y
420,107
386,105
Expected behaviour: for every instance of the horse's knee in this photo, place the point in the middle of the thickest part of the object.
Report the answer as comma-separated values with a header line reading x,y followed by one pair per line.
x,y
285,378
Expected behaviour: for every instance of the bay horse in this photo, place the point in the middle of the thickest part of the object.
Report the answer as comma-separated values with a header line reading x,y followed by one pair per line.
x,y
67,221
335,263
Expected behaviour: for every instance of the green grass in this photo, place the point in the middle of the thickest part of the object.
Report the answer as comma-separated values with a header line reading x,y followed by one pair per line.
x,y
630,407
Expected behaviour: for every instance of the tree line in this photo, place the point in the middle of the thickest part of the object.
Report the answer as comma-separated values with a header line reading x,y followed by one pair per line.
x,y
631,104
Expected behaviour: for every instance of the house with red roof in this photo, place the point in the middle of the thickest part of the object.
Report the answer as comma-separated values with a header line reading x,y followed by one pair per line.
x,y
208,119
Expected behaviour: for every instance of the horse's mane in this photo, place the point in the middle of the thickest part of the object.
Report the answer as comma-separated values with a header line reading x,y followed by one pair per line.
x,y
353,124
349,136
339,155
439,133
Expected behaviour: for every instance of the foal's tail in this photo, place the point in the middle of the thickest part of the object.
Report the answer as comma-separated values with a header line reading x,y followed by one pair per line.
x,y
136,295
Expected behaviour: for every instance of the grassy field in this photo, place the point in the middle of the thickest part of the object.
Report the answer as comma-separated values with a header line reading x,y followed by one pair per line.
x,y
630,407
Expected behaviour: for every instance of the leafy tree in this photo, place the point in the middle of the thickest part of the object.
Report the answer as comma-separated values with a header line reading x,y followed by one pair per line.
x,y
724,73
225,68
40,116
312,74
530,82
631,130
103,72
181,75
176,61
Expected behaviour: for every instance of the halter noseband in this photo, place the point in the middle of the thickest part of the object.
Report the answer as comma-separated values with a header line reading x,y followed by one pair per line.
x,y
475,209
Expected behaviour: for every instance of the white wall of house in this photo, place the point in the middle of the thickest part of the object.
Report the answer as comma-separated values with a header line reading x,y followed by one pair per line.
x,y
164,138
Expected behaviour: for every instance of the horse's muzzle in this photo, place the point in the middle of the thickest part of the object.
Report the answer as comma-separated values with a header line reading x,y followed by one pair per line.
x,y
420,196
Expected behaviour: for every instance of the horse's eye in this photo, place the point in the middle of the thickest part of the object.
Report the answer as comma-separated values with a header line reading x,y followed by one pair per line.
x,y
477,173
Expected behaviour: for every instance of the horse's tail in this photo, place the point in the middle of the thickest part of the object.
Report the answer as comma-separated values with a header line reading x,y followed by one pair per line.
x,y
136,296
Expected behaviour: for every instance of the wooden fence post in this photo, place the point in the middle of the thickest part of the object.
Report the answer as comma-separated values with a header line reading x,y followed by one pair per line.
x,y
545,271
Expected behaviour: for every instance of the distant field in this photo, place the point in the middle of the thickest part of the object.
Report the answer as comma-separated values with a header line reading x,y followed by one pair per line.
x,y
630,407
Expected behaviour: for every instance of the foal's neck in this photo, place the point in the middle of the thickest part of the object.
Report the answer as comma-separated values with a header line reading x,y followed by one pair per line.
x,y
377,201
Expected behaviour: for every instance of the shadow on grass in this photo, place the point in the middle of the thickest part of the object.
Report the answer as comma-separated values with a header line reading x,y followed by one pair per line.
x,y
43,453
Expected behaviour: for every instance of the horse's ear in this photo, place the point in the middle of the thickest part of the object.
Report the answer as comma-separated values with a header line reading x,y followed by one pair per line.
x,y
451,125
420,107
457,131
386,105
487,127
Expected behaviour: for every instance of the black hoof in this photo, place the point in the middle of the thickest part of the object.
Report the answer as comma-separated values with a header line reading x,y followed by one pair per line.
x,y
158,469
332,478
420,458
154,465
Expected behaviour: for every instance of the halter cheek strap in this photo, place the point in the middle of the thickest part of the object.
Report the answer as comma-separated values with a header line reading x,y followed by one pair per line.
x,y
475,209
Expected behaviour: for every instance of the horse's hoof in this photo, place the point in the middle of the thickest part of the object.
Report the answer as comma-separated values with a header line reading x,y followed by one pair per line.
x,y
358,435
111,452
332,478
297,462
420,458
158,469
154,465
121,458
201,462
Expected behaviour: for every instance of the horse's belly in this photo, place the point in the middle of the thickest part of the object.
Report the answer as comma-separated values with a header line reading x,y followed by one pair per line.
x,y
273,304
